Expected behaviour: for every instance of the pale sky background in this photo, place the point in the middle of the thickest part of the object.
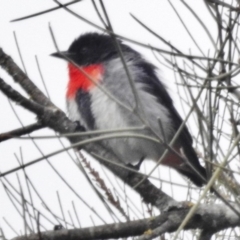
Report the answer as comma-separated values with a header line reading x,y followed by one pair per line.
x,y
34,40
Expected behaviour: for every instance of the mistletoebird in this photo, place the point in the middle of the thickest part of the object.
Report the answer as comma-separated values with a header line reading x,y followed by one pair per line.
x,y
95,67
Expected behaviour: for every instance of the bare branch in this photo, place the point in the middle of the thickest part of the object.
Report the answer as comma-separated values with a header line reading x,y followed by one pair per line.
x,y
211,218
21,131
21,100
21,78
43,12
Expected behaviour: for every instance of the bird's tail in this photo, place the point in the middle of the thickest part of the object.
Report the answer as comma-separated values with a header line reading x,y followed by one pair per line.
x,y
193,176
193,170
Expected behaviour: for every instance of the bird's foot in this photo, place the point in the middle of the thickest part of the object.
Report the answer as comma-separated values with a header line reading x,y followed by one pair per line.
x,y
137,166
79,127
134,167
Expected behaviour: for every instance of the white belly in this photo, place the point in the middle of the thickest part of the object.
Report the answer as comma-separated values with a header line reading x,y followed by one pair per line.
x,y
110,115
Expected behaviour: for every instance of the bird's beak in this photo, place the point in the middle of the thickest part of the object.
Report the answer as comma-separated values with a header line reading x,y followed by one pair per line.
x,y
63,55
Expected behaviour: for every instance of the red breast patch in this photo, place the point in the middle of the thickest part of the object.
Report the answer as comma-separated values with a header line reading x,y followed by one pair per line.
x,y
80,79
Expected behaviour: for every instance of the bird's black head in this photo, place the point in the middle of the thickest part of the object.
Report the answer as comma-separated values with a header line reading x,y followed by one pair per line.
x,y
92,48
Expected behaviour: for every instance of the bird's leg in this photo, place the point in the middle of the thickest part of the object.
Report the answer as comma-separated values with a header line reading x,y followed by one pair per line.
x,y
135,167
138,165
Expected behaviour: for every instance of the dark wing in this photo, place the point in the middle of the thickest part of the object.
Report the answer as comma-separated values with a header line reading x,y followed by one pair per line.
x,y
84,106
156,88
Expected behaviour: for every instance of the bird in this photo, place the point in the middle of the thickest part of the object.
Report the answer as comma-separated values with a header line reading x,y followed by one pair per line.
x,y
101,96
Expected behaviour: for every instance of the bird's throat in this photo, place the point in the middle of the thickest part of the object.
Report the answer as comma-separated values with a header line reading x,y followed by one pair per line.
x,y
83,78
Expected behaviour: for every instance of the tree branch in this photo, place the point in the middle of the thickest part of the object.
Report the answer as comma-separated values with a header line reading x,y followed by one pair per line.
x,y
21,131
210,218
21,78
19,99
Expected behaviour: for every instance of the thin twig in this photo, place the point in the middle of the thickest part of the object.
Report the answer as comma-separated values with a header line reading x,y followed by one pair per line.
x,y
21,131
